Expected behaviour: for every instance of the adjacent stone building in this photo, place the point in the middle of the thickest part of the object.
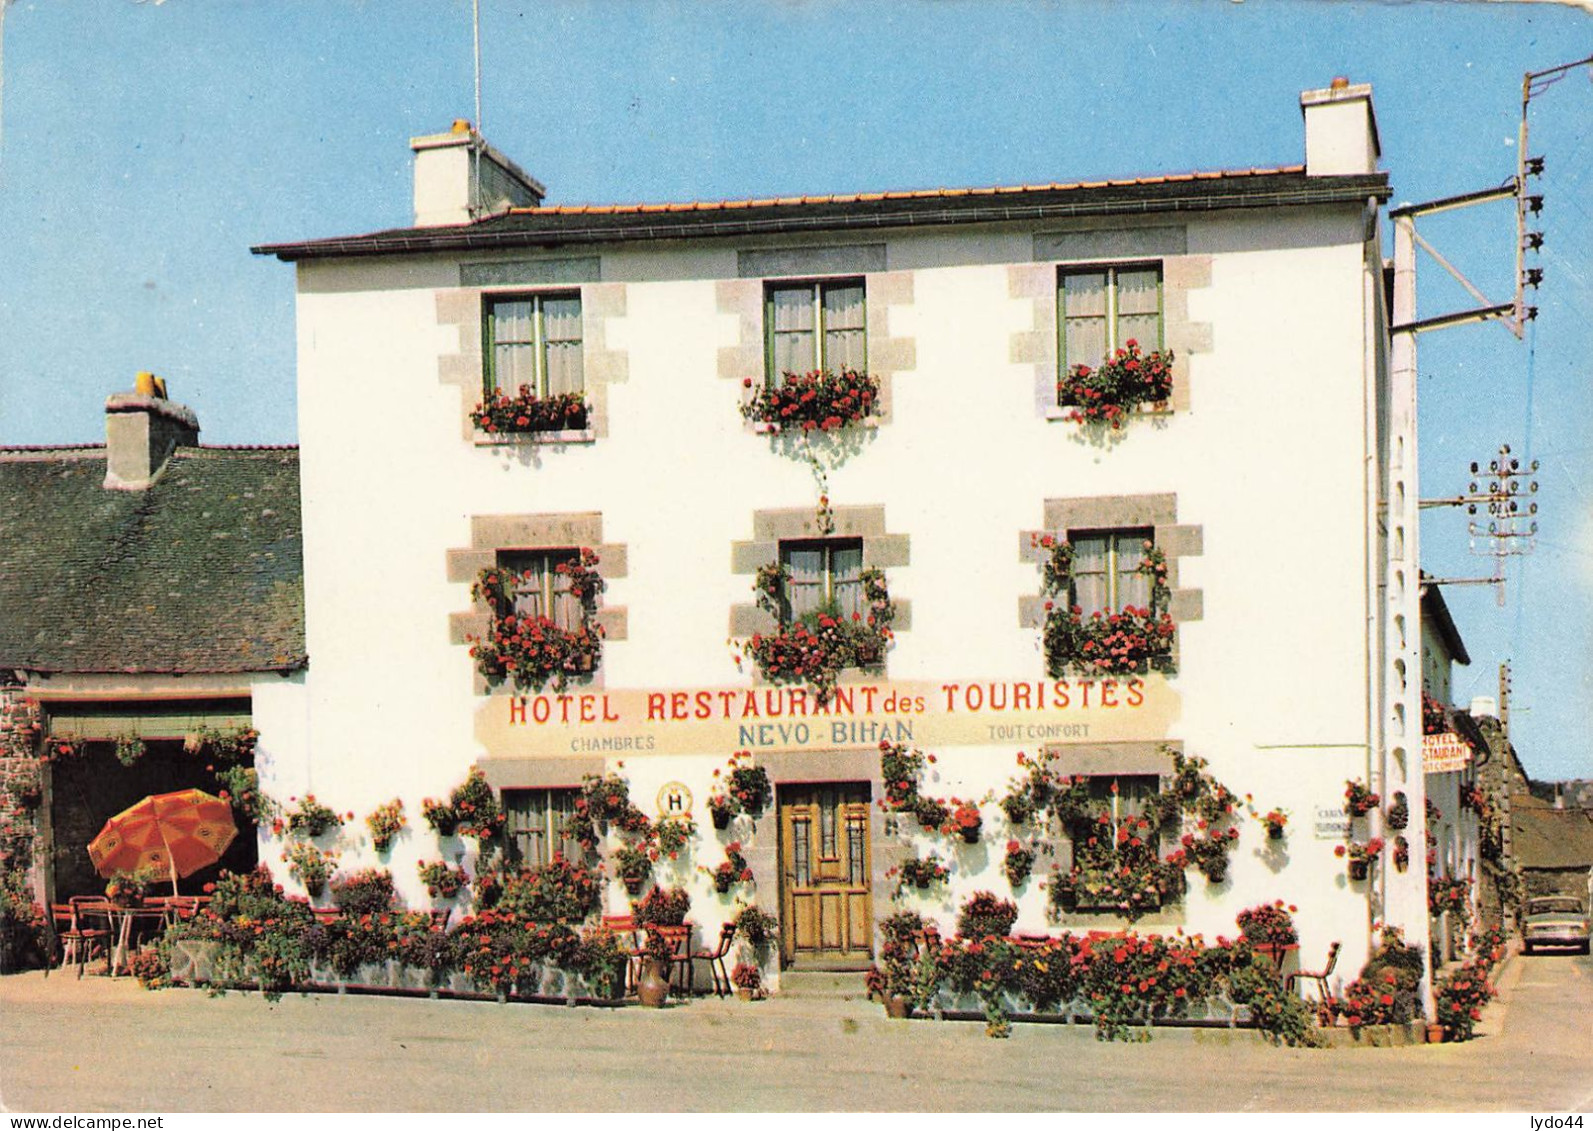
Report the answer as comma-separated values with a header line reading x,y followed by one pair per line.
x,y
150,596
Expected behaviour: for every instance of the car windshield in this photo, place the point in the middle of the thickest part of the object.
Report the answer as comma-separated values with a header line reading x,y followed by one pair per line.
x,y
1554,907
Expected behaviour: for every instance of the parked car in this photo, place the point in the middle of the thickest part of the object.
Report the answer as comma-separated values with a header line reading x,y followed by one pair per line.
x,y
1554,920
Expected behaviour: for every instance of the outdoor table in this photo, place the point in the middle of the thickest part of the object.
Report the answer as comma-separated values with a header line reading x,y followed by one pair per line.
x,y
120,922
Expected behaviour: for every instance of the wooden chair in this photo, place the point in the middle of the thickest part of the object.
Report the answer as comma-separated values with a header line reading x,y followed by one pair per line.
x,y
680,955
625,930
1319,977
77,941
716,963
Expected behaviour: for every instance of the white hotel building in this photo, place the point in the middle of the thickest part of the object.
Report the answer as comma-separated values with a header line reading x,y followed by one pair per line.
x,y
1261,480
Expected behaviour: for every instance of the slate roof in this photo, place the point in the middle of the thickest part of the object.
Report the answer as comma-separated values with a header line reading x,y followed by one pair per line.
x,y
1553,838
553,225
201,572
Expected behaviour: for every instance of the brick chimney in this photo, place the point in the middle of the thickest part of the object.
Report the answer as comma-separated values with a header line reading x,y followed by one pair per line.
x,y
142,428
1340,130
459,178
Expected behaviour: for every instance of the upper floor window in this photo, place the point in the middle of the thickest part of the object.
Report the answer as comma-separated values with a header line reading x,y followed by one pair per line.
x,y
824,576
815,326
536,819
542,590
1108,571
1100,309
534,341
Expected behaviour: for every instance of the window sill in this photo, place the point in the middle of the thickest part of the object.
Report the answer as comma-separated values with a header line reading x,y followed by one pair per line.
x,y
765,429
567,436
1060,412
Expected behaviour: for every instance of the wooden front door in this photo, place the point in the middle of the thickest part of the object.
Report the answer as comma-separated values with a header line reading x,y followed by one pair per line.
x,y
824,874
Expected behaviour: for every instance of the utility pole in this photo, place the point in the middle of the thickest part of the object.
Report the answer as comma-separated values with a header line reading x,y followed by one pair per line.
x,y
1504,700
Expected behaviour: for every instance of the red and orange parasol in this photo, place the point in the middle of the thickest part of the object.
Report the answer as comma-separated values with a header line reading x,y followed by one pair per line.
x,y
178,833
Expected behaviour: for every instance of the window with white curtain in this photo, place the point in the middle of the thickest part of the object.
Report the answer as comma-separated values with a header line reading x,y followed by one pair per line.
x,y
535,341
1106,577
1101,308
823,576
818,325
543,590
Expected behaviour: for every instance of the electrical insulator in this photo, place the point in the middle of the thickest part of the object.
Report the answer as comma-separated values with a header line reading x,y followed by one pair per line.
x,y
1534,240
1534,276
1534,204
1534,166
1532,314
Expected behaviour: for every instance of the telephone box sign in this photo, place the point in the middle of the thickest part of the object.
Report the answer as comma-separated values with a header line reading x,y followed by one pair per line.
x,y
627,721
1444,753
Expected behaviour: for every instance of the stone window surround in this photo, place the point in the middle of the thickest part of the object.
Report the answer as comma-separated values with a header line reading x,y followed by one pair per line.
x,y
465,308
771,527
490,534
1117,245
1118,512
743,298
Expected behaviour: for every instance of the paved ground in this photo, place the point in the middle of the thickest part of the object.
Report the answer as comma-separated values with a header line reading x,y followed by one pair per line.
x,y
97,1045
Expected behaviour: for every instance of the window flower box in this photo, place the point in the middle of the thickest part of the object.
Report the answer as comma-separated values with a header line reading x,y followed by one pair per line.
x,y
525,413
532,651
819,400
1125,380
817,646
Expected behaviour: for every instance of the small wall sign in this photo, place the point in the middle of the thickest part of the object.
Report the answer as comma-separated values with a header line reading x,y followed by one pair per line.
x,y
674,800
1332,824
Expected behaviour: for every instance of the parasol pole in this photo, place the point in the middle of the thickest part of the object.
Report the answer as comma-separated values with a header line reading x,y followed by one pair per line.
x,y
171,861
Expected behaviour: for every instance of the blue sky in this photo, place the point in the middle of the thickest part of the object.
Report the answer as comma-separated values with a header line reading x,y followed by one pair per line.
x,y
146,146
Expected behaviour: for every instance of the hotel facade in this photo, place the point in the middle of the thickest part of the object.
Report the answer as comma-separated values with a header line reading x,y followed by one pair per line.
x,y
675,542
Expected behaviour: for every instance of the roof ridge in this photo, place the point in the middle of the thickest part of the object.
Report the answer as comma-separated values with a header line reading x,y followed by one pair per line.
x,y
890,194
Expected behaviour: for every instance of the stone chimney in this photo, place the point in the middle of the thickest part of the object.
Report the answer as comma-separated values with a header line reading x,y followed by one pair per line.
x,y
142,428
459,178
1340,130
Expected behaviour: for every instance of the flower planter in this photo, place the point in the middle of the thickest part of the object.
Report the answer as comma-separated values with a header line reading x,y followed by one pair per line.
x,y
746,993
970,836
1274,832
1435,1034
898,1007
1359,869
633,887
721,818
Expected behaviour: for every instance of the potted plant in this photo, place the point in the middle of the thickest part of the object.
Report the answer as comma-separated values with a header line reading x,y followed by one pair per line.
x,y
310,818
1018,863
734,870
440,816
748,980
721,809
441,880
633,864
1358,799
921,873
749,784
386,821
756,926
965,821
984,916
663,907
1398,812
1269,925
1277,823
1361,857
